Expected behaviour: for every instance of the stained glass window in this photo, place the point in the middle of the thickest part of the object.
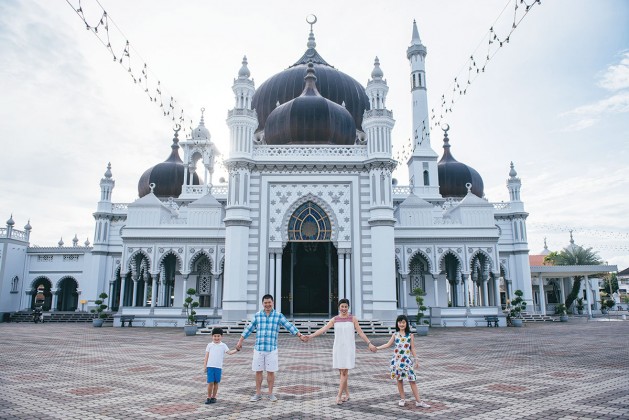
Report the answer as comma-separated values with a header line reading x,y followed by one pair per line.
x,y
309,223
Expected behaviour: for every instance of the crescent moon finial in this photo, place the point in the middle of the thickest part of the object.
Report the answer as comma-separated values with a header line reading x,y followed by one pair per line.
x,y
311,19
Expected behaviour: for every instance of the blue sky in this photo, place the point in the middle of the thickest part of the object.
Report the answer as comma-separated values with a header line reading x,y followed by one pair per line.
x,y
555,100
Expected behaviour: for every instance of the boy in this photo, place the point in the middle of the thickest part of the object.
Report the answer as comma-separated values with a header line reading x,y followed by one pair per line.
x,y
213,363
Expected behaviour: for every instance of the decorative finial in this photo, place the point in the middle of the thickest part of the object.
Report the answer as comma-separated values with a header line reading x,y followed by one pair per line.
x,y
87,242
469,187
75,240
244,72
10,222
376,73
512,172
108,171
571,238
28,225
311,19
175,144
202,112
310,77
152,186
545,246
60,243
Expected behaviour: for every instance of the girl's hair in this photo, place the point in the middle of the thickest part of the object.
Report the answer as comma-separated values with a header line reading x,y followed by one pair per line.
x,y
343,301
407,330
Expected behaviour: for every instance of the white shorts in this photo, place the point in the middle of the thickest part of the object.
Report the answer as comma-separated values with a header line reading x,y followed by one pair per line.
x,y
265,360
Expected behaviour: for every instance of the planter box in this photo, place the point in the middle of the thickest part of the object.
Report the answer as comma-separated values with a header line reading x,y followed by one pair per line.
x,y
98,322
190,330
516,322
422,330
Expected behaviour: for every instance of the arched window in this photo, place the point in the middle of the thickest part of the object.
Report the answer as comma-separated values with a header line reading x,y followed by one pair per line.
x,y
309,223
426,178
14,284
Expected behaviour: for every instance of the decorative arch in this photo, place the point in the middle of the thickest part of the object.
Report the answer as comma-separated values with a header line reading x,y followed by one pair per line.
x,y
134,255
422,254
442,259
60,281
47,283
38,280
503,270
67,294
484,254
322,204
398,265
196,256
180,263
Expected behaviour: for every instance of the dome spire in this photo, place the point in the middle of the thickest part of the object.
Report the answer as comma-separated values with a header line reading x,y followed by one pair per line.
x,y
376,73
311,19
311,53
415,40
244,72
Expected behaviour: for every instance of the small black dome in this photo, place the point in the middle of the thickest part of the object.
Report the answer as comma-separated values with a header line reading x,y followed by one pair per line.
x,y
167,176
331,83
453,175
310,119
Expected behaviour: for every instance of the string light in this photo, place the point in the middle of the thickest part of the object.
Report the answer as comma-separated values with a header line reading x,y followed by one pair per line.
x,y
471,69
591,237
121,51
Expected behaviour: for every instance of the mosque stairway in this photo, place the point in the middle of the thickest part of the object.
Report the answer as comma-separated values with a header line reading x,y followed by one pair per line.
x,y
60,316
539,318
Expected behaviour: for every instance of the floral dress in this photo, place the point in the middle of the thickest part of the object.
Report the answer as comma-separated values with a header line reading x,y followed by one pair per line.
x,y
402,362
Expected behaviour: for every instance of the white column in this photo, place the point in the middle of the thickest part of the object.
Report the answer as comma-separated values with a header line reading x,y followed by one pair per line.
x,y
588,294
497,289
278,281
435,285
271,282
466,289
160,291
341,271
404,293
485,299
135,292
154,290
562,291
348,276
542,295
55,299
123,283
146,290
184,284
215,303
111,291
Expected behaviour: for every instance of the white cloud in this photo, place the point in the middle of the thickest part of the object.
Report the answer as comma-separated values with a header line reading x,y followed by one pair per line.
x,y
581,124
616,76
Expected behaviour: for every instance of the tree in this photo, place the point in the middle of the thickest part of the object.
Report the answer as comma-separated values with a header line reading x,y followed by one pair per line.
x,y
574,255
610,283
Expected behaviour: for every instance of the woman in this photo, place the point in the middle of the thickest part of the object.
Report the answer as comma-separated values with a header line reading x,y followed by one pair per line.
x,y
344,350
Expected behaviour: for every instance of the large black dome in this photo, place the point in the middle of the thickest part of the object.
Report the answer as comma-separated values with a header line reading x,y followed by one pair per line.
x,y
167,176
453,175
310,119
331,83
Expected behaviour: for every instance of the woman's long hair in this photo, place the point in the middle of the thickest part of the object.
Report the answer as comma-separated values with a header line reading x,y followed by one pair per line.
x,y
407,330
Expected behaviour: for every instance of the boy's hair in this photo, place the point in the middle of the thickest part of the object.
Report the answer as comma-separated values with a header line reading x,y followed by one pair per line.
x,y
217,330
343,301
407,330
267,297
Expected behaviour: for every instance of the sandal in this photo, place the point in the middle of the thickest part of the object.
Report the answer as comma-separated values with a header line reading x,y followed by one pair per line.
x,y
339,401
401,403
345,399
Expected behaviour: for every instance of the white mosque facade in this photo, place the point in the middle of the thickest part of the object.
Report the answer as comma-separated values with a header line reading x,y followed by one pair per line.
x,y
309,213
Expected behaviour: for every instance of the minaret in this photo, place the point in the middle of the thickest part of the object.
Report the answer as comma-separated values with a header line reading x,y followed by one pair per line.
x,y
242,122
198,144
516,206
104,210
378,121
422,165
514,184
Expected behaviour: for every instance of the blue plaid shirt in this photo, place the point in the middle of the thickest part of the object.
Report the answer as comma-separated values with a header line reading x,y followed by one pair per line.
x,y
268,328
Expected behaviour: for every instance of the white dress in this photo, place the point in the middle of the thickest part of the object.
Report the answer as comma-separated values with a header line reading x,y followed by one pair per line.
x,y
344,350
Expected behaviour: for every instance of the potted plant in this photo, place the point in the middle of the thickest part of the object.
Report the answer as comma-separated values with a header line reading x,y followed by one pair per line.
x,y
518,305
580,306
99,311
560,309
189,304
421,327
606,303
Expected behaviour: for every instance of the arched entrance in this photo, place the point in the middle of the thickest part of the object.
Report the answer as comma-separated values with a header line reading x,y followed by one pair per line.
x,y
67,295
309,265
45,282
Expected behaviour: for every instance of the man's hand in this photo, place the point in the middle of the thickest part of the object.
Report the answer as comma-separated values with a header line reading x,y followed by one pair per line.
x,y
239,344
303,338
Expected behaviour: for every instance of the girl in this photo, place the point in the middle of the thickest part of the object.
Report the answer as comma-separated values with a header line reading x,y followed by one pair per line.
x,y
401,364
344,350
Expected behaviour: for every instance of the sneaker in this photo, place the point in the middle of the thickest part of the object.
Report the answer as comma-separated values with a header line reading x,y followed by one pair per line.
x,y
255,397
272,397
212,400
421,404
401,403
208,401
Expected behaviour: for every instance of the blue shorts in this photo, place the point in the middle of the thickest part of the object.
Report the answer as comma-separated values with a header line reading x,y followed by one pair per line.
x,y
214,374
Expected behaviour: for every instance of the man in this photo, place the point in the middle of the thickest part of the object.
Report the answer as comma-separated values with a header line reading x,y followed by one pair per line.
x,y
268,323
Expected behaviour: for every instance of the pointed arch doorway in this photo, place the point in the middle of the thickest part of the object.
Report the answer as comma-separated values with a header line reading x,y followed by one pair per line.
x,y
309,269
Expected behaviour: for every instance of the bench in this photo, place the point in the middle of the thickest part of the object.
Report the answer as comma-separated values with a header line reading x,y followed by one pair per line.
x,y
200,318
127,318
491,319
619,308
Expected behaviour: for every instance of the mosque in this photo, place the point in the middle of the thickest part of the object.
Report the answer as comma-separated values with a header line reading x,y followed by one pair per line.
x,y
309,213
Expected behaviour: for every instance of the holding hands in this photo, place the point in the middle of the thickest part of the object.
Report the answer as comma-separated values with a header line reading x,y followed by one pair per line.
x,y
373,348
304,338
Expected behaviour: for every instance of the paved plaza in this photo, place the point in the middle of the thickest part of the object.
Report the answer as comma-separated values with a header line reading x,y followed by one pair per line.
x,y
575,370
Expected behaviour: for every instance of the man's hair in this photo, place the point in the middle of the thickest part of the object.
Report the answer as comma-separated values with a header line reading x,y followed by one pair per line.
x,y
217,330
267,297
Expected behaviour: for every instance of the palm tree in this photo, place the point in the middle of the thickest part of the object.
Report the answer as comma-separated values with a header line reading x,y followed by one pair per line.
x,y
573,255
